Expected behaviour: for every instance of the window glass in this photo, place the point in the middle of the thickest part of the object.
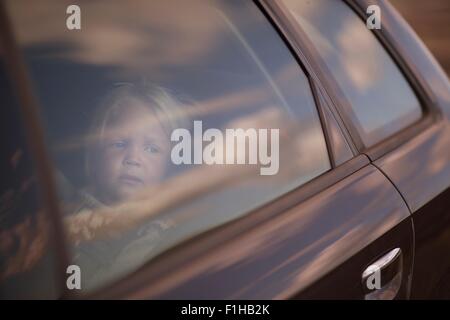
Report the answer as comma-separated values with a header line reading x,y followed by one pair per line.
x,y
165,119
27,255
382,102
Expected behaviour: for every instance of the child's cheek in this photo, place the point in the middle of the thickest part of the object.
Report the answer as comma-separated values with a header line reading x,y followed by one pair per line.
x,y
108,165
156,169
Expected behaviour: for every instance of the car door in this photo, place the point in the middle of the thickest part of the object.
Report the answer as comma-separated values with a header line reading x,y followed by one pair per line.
x,y
412,154
337,230
323,240
363,78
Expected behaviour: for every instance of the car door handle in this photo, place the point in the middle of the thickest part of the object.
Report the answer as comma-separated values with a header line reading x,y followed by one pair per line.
x,y
382,279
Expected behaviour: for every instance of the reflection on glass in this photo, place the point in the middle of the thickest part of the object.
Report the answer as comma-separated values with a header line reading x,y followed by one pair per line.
x,y
382,102
27,254
113,94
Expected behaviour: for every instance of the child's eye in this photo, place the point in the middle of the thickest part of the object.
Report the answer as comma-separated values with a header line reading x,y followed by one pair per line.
x,y
119,144
152,148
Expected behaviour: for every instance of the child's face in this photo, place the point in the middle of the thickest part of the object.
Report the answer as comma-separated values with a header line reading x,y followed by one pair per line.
x,y
134,154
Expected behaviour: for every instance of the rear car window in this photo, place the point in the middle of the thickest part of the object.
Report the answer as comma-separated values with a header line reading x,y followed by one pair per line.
x,y
381,100
165,119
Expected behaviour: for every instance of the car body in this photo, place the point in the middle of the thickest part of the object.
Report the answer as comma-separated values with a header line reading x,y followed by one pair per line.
x,y
387,204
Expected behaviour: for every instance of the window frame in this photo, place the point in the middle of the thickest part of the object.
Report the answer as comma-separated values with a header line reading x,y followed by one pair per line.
x,y
430,112
317,67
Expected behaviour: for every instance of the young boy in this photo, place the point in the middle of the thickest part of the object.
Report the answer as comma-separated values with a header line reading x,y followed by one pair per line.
x,y
128,155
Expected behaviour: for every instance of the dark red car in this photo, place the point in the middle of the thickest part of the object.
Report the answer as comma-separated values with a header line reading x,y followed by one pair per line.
x,y
351,202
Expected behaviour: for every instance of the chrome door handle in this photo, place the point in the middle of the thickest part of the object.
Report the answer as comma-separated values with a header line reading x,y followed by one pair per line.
x,y
382,279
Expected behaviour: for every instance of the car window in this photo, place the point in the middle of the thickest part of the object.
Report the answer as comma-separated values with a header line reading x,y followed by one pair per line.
x,y
381,100
165,119
27,253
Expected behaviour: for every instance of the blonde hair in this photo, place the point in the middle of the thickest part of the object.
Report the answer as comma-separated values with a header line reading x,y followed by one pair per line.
x,y
167,108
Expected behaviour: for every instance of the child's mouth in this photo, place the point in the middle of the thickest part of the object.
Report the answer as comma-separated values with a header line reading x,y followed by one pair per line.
x,y
130,180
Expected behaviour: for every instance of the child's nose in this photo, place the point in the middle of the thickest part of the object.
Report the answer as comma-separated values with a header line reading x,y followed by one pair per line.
x,y
132,156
